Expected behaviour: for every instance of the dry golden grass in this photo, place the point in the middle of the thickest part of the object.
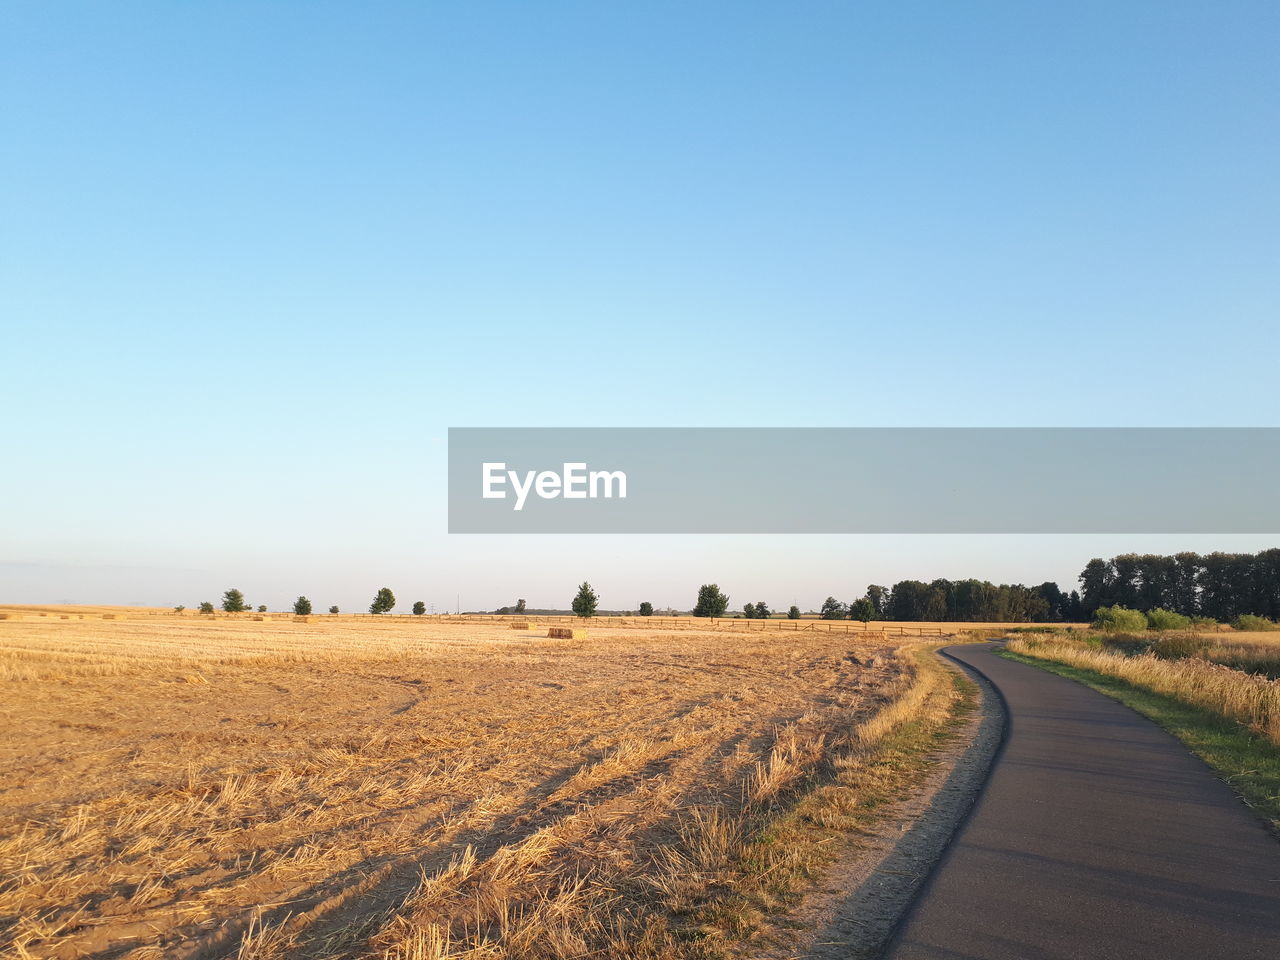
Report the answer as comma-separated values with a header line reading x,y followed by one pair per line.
x,y
1252,652
409,788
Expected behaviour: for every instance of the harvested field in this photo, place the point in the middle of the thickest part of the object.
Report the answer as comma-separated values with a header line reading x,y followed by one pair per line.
x,y
184,787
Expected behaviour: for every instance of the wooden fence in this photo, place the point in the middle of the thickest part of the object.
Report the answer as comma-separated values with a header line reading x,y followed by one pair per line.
x,y
875,630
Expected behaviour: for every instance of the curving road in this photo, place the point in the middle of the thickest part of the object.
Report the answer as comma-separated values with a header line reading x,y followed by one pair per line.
x,y
1098,835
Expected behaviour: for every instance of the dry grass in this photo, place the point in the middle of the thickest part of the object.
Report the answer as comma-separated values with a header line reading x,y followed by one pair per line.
x,y
1251,652
188,787
1250,699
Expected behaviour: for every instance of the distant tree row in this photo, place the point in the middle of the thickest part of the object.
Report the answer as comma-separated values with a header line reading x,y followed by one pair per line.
x,y
233,601
959,600
1221,586
967,601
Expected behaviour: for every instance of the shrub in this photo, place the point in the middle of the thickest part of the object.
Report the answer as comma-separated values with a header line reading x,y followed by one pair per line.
x,y
1119,620
333,609
179,608
1161,619
262,608
1205,623
302,606
1247,621
419,608
206,607
793,613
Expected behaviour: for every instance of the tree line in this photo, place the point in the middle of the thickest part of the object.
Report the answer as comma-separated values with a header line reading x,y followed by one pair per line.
x,y
1221,586
967,601
955,600
233,601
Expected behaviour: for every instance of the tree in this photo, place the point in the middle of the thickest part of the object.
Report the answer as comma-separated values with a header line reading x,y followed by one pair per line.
x,y
749,611
333,609
1224,585
832,609
1127,568
1266,575
179,608
879,597
1186,588
1095,585
646,609
584,604
206,607
910,600
863,610
1157,582
762,610
262,608
419,608
383,602
302,606
793,613
1054,598
520,606
711,602
233,601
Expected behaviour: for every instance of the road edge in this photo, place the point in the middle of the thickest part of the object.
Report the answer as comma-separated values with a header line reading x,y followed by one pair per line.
x,y
893,874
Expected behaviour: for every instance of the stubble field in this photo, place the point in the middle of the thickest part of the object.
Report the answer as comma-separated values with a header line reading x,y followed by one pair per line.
x,y
185,788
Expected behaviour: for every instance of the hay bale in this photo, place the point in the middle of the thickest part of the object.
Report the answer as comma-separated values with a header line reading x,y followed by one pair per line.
x,y
259,616
566,633
11,616
108,616
301,618
519,626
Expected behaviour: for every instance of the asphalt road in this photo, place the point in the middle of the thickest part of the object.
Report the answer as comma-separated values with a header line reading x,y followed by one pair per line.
x,y
1098,835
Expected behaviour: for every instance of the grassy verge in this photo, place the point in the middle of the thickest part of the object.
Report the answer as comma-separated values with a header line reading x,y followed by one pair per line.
x,y
786,853
1248,762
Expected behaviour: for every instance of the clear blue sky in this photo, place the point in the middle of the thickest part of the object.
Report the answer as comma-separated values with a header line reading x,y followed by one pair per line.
x,y
255,259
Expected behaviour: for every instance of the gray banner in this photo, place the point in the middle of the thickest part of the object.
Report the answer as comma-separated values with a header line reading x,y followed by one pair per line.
x,y
864,480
